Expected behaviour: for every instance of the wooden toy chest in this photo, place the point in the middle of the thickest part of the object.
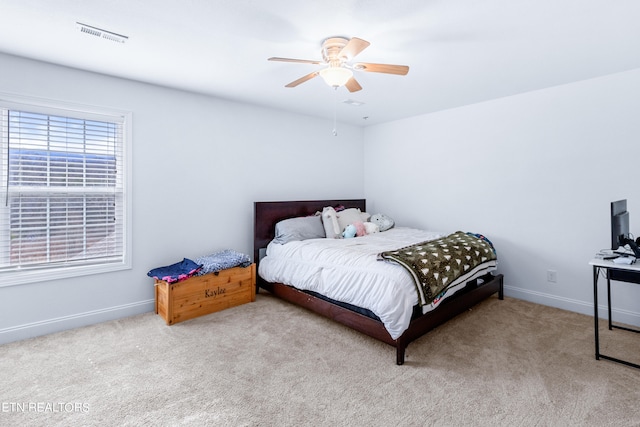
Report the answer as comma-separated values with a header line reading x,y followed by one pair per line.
x,y
200,295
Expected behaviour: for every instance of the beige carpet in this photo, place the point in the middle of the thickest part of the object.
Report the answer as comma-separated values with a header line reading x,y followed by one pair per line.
x,y
268,363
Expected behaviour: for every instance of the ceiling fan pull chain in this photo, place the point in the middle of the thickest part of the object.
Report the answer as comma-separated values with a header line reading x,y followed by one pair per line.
x,y
335,113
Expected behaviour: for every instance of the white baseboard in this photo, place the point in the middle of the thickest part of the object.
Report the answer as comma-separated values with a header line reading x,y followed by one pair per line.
x,y
583,307
49,326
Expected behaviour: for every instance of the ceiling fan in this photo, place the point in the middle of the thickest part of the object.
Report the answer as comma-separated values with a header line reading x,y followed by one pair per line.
x,y
337,52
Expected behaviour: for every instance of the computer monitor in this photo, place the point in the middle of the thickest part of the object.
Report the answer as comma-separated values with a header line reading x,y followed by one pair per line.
x,y
619,223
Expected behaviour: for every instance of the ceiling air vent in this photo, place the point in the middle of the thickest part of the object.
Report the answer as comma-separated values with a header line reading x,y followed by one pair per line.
x,y
98,32
353,102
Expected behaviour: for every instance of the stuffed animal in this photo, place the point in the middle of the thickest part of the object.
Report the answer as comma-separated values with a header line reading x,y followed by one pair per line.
x,y
370,228
360,230
330,223
384,222
349,231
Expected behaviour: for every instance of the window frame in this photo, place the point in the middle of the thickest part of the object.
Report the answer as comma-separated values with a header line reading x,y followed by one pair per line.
x,y
52,107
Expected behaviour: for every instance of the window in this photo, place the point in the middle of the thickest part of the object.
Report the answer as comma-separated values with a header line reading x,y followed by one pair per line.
x,y
64,192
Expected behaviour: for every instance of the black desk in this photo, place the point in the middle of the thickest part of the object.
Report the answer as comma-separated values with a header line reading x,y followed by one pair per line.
x,y
621,273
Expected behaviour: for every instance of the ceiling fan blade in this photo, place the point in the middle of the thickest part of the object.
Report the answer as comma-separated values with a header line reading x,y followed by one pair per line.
x,y
352,85
301,61
382,68
302,79
353,47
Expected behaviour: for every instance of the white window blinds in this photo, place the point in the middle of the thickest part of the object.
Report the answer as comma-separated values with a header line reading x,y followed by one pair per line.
x,y
63,193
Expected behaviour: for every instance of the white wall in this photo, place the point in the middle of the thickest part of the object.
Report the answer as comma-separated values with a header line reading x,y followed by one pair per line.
x,y
534,172
199,163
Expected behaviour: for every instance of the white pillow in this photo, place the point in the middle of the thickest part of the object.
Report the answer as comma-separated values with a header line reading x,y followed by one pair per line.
x,y
350,216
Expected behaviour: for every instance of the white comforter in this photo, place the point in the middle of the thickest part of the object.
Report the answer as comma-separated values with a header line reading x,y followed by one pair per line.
x,y
347,270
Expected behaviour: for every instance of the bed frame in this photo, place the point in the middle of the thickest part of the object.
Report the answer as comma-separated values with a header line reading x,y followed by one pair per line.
x,y
267,214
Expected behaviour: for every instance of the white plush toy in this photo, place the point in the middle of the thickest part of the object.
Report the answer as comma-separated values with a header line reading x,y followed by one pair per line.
x,y
330,223
370,228
384,222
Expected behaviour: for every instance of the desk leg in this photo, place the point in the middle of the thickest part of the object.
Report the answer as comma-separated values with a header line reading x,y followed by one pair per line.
x,y
609,299
596,271
596,274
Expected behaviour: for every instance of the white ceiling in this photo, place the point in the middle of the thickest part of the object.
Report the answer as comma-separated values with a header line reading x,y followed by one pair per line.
x,y
459,51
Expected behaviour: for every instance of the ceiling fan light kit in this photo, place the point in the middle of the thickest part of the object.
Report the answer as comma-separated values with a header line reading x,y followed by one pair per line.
x,y
336,76
336,54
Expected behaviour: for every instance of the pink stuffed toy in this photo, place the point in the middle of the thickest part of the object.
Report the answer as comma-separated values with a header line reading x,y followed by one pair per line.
x,y
360,230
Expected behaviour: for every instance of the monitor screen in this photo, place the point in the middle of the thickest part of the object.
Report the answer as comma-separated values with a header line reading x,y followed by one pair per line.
x,y
619,223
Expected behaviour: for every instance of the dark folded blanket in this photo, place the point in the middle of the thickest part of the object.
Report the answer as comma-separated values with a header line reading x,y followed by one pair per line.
x,y
175,272
437,264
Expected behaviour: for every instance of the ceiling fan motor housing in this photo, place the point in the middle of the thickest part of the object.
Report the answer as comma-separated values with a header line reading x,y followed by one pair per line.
x,y
331,49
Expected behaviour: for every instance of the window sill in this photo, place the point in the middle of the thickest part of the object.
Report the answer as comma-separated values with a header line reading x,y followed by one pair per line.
x,y
22,277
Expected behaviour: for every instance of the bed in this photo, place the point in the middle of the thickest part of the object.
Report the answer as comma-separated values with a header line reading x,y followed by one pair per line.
x,y
268,214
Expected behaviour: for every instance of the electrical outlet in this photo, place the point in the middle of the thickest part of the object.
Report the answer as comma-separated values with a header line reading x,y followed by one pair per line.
x,y
552,276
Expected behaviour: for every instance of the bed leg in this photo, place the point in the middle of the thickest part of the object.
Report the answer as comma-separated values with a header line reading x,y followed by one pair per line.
x,y
400,355
501,290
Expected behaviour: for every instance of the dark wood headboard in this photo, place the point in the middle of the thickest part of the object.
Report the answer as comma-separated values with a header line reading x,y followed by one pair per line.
x,y
267,214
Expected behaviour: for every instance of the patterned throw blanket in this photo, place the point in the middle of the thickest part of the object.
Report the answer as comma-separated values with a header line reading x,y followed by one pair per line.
x,y
436,265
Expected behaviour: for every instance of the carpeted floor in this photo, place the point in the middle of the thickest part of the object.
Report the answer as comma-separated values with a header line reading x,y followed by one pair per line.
x,y
268,363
